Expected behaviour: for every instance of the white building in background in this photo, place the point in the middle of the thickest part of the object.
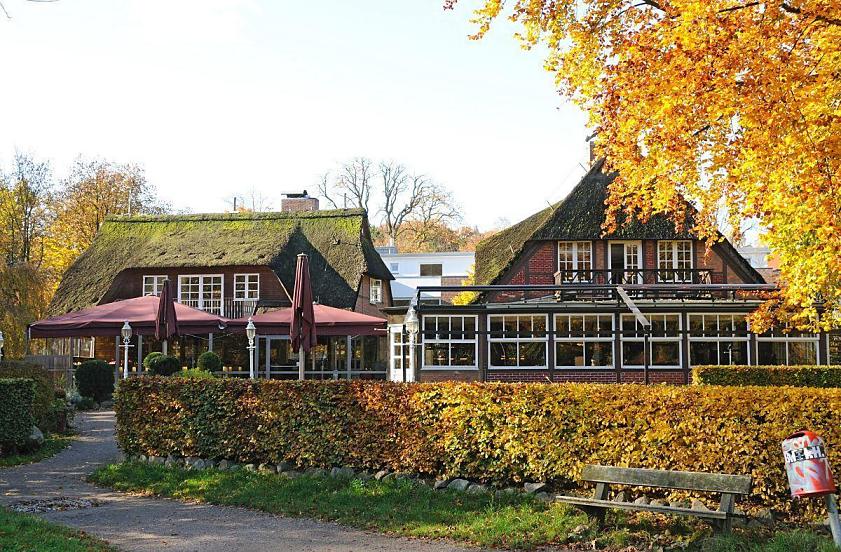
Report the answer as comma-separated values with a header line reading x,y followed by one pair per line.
x,y
757,255
413,270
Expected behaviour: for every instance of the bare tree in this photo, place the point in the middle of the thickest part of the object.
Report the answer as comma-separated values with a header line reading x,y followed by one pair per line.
x,y
353,182
436,208
252,202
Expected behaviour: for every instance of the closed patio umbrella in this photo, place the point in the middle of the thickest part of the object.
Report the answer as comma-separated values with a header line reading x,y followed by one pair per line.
x,y
166,320
302,330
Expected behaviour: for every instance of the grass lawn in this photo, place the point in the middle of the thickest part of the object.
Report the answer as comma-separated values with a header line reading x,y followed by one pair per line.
x,y
404,508
26,533
52,446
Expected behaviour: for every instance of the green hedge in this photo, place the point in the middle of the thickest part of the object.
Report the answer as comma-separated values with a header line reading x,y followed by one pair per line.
x,y
209,362
42,405
492,432
95,379
16,398
159,364
798,376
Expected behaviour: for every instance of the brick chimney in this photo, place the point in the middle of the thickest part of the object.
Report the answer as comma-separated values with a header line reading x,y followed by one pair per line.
x,y
292,202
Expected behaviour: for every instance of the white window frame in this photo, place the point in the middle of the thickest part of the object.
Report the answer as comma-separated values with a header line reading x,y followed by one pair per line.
x,y
717,338
394,268
375,284
398,350
634,271
584,339
580,265
201,277
247,276
651,341
157,283
518,340
674,264
814,339
449,341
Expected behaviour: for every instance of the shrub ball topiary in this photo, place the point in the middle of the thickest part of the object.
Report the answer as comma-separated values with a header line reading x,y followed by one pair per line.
x,y
209,362
151,359
95,379
164,365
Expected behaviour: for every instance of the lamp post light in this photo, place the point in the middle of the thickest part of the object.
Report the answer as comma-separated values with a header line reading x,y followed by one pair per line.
x,y
412,324
126,332
1,346
251,333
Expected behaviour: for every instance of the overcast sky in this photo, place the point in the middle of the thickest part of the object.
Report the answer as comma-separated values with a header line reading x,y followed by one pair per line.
x,y
214,97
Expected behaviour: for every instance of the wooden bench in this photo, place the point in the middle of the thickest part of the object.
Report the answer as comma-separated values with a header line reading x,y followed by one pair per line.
x,y
729,486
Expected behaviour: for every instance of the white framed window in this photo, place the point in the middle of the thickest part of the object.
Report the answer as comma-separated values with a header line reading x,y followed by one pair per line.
x,y
664,342
202,291
449,342
399,355
781,346
375,295
575,261
246,287
718,339
584,340
394,268
517,341
153,284
674,261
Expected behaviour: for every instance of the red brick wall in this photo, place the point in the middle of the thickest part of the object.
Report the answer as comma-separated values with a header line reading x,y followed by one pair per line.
x,y
675,377
518,375
363,300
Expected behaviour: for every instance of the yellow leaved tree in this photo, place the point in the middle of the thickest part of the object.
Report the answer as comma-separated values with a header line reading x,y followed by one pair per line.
x,y
732,104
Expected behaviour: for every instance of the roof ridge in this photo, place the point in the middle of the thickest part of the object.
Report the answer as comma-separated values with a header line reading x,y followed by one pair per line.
x,y
267,215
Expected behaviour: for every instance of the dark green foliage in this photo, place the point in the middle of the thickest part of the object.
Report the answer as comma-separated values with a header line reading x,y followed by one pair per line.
x,y
797,376
44,388
95,379
86,403
151,359
158,364
16,420
209,361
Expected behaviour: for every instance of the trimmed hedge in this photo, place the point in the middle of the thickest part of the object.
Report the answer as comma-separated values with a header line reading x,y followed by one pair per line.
x,y
798,376
209,362
491,432
42,404
159,364
16,398
95,379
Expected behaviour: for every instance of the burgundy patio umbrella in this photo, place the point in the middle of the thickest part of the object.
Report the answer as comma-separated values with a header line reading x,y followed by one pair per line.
x,y
329,321
302,329
140,312
166,320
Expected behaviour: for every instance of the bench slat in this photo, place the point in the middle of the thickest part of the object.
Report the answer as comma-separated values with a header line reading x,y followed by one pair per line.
x,y
591,502
689,481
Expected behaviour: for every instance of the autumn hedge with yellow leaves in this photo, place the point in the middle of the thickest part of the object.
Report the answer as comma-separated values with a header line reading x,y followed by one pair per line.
x,y
498,433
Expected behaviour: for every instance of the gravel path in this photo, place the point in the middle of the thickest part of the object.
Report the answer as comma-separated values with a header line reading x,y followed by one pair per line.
x,y
150,524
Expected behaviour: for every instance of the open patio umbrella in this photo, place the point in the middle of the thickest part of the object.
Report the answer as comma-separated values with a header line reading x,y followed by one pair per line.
x,y
302,330
329,321
140,312
166,321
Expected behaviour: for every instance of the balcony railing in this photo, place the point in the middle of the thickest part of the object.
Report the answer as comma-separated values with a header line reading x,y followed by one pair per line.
x,y
637,276
229,308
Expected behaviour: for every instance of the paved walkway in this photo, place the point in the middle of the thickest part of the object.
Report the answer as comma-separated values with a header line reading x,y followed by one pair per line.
x,y
150,524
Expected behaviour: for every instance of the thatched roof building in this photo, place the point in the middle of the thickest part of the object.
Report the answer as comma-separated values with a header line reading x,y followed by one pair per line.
x,y
338,243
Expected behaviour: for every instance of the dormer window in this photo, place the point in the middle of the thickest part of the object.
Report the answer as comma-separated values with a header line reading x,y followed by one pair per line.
x,y
153,285
575,261
674,261
376,292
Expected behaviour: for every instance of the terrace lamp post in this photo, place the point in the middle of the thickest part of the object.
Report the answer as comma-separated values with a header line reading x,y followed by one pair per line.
x,y
1,346
251,333
412,324
126,332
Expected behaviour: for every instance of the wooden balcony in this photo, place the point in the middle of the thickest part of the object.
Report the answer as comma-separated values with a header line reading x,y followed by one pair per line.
x,y
229,308
639,276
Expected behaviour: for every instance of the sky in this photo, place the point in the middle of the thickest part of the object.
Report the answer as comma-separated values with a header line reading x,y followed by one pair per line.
x,y
216,98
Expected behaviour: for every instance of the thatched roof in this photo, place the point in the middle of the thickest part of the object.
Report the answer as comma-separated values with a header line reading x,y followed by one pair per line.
x,y
578,216
338,243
